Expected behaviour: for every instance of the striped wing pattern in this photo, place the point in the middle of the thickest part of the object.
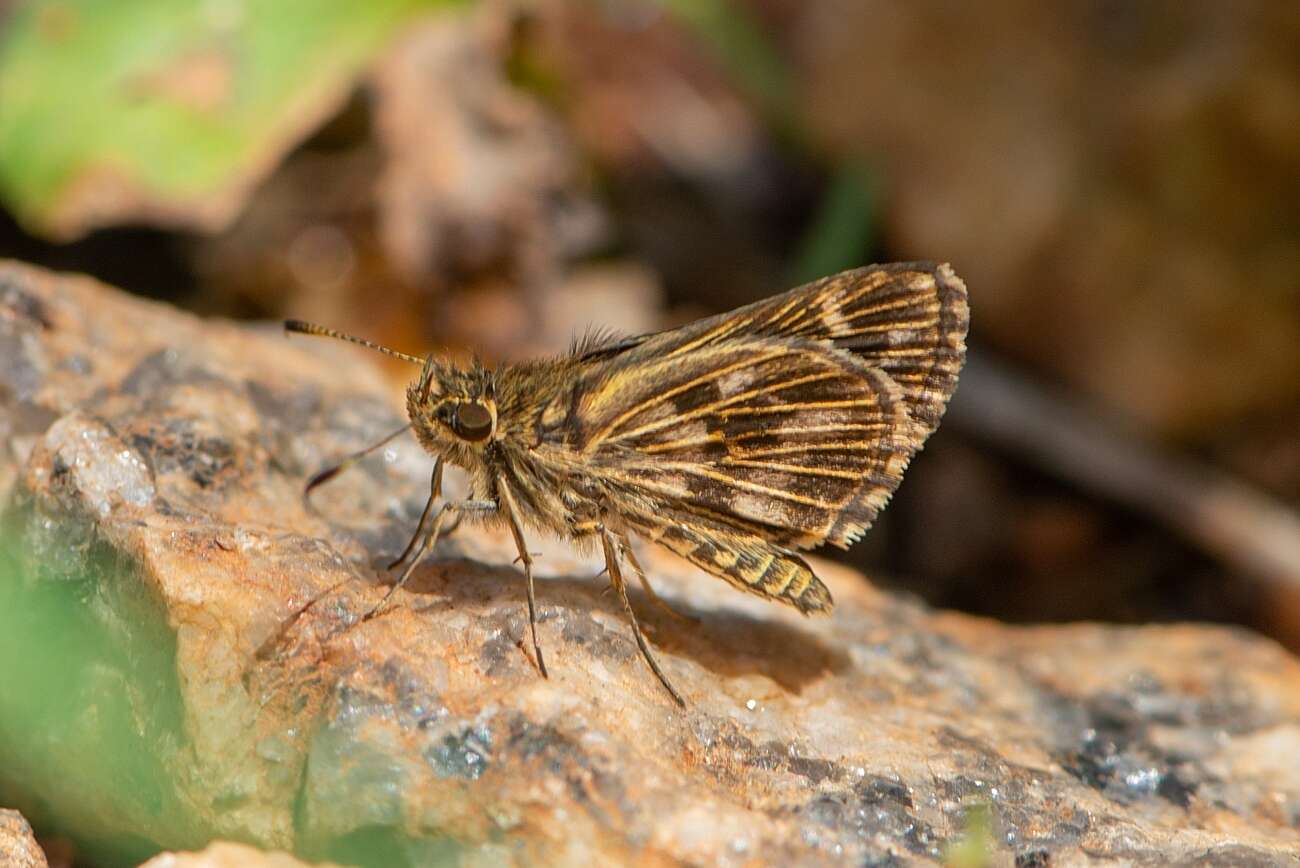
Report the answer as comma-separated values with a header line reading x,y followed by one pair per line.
x,y
780,426
779,435
906,319
746,449
745,561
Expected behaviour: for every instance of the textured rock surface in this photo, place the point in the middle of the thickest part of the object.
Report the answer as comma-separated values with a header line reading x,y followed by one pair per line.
x,y
226,855
18,847
152,467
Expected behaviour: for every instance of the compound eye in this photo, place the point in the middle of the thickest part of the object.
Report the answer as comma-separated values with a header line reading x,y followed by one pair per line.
x,y
472,422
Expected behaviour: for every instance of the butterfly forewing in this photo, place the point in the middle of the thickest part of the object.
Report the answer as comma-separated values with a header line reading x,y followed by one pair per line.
x,y
906,319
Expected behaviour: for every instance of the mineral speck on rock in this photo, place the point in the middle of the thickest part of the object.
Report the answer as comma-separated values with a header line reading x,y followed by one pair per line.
x,y
183,636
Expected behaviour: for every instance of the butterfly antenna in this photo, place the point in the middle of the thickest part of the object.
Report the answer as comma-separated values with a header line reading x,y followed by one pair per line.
x,y
306,328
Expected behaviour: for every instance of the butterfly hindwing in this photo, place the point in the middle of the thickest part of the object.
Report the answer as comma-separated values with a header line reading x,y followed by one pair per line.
x,y
746,562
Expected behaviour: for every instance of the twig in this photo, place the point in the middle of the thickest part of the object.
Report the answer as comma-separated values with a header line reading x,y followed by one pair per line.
x,y
1222,515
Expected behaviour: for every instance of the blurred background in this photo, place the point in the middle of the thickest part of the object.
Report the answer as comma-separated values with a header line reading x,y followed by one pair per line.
x,y
1118,183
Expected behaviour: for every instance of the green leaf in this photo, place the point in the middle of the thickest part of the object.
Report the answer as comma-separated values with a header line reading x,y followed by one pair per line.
x,y
168,110
975,846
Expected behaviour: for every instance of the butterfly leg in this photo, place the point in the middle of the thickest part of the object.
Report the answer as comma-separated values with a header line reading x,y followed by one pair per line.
x,y
435,491
625,546
430,540
611,543
526,559
330,472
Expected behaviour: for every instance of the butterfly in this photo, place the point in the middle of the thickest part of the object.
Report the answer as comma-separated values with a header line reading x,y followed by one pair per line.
x,y
736,441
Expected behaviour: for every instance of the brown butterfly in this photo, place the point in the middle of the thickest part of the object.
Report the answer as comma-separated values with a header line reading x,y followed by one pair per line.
x,y
734,441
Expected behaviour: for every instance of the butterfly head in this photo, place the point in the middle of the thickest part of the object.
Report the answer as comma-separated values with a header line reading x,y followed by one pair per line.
x,y
453,411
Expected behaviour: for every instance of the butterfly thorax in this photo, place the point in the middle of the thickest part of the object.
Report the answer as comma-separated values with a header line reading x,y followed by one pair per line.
x,y
490,423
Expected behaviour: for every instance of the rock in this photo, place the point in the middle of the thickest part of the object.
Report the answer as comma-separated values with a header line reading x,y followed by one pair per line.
x,y
226,855
18,847
183,639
